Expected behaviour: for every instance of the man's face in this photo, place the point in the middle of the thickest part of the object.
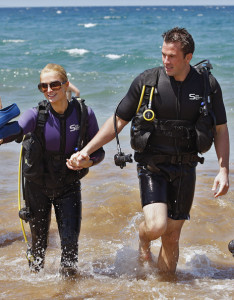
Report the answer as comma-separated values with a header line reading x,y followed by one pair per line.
x,y
174,61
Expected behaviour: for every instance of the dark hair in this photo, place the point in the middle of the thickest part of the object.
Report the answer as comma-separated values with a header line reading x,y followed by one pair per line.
x,y
182,36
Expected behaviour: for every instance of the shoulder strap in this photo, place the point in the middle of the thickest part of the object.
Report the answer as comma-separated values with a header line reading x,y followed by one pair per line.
x,y
82,112
43,113
204,67
149,88
150,77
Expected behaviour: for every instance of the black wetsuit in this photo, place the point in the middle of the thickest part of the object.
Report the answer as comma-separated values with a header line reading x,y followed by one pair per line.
x,y
59,189
67,206
173,184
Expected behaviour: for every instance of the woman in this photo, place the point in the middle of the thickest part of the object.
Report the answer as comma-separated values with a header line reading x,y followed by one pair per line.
x,y
47,179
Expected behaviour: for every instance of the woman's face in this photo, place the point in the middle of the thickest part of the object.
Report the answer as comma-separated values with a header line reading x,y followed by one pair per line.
x,y
57,95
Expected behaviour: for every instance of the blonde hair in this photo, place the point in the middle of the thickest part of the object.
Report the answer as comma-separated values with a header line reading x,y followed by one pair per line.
x,y
57,69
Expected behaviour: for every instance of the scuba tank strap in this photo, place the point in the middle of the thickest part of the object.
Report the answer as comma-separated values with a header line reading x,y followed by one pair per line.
x,y
206,97
83,139
152,161
43,113
152,79
204,67
176,159
206,123
149,88
33,146
209,88
82,112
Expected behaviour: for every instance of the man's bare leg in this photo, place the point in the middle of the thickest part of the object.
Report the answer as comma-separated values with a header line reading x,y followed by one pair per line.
x,y
151,228
169,252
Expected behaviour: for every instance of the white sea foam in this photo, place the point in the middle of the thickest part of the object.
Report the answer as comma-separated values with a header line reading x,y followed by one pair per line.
x,y
90,25
76,51
58,12
222,202
13,41
112,17
113,56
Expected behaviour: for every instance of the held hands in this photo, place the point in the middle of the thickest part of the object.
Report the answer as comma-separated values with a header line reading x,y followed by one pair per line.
x,y
221,184
79,161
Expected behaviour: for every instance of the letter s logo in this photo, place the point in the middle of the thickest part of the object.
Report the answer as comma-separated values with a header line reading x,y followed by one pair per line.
x,y
74,127
192,97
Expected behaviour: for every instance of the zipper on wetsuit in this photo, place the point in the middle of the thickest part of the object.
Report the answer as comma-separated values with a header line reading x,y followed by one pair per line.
x,y
179,85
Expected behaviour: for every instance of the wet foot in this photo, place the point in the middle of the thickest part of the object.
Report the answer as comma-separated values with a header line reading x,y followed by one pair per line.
x,y
144,254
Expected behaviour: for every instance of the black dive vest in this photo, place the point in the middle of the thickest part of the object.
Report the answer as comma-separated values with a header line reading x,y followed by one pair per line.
x,y
47,168
150,135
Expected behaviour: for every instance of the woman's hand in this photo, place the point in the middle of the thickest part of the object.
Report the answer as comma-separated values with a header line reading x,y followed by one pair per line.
x,y
79,161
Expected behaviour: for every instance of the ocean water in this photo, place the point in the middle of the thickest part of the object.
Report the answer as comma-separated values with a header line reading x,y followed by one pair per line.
x,y
103,49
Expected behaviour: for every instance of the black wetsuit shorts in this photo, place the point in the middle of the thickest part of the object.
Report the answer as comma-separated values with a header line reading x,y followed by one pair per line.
x,y
174,185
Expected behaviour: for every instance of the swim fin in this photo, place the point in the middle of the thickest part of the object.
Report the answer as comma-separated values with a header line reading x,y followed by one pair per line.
x,y
9,129
8,113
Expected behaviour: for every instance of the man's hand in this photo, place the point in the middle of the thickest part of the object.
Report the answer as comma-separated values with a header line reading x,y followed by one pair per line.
x,y
79,161
221,141
221,184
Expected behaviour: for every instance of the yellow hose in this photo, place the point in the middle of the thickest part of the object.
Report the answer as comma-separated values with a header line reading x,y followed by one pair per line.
x,y
141,98
19,193
151,95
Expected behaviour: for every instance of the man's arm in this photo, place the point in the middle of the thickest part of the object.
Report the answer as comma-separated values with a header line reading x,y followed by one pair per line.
x,y
72,89
104,136
221,142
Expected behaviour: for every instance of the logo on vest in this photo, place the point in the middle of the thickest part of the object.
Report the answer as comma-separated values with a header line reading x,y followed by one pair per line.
x,y
74,127
194,97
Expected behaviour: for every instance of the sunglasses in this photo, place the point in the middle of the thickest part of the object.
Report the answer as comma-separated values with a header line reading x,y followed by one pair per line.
x,y
54,85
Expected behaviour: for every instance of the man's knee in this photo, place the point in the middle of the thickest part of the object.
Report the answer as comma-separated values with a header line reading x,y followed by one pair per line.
x,y
156,227
155,219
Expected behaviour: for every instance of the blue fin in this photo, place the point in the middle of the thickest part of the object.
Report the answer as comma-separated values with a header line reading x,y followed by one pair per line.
x,y
9,129
8,113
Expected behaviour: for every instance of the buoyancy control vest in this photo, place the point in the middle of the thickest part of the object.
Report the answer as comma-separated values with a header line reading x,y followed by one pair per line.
x,y
48,168
190,137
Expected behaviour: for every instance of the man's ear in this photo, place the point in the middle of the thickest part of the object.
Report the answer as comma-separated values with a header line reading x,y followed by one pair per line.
x,y
188,57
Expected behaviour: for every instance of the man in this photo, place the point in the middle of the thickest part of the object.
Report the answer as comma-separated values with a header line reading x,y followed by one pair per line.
x,y
166,178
